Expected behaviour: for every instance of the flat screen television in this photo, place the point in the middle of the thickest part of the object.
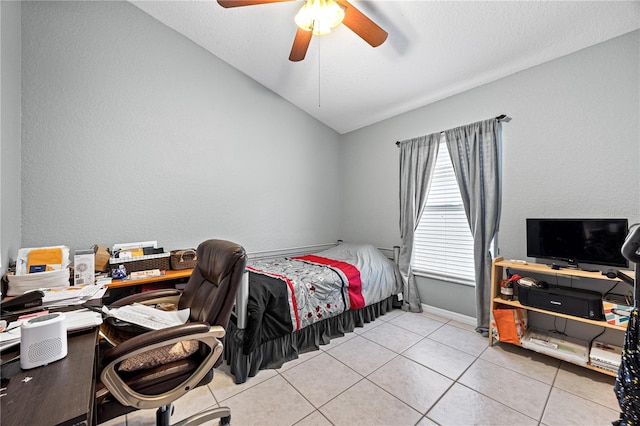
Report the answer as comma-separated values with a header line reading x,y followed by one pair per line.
x,y
594,241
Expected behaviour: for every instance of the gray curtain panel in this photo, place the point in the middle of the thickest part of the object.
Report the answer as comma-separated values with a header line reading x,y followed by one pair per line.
x,y
417,162
475,153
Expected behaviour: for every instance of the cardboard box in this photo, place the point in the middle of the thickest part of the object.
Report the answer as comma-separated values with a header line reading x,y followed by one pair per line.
x,y
84,267
616,309
101,258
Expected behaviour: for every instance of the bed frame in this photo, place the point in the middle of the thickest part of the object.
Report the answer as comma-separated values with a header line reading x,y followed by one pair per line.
x,y
273,354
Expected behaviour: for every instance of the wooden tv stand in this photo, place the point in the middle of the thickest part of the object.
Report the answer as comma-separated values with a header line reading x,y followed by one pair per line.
x,y
498,273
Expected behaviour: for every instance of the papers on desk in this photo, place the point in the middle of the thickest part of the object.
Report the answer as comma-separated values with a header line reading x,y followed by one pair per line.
x,y
80,319
147,316
42,259
39,267
10,338
67,296
20,284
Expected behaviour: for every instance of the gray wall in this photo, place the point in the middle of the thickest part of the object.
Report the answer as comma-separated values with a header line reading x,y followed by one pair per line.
x,y
131,132
570,150
10,131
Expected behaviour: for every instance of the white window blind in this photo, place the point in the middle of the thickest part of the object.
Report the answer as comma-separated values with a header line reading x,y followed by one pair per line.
x,y
443,245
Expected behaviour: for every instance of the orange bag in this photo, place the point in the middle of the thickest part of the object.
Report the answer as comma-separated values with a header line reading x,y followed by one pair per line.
x,y
509,324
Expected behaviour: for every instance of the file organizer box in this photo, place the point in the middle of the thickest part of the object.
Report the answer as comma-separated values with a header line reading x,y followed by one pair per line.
x,y
142,263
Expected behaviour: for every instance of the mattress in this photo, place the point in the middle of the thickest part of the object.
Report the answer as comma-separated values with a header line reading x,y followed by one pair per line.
x,y
288,294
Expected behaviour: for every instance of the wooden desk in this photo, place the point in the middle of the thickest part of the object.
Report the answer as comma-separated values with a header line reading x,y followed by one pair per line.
x,y
170,275
61,393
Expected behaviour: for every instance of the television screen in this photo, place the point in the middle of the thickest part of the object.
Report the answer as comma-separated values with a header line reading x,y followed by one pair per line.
x,y
595,241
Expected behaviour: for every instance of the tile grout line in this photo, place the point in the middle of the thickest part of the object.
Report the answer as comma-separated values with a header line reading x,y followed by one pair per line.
x,y
546,402
500,402
362,377
562,362
311,403
400,354
453,383
397,354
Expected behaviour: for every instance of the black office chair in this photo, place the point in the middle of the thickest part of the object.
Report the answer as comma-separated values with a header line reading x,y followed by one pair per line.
x,y
210,295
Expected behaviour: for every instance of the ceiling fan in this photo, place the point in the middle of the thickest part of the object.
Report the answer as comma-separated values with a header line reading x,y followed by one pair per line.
x,y
318,17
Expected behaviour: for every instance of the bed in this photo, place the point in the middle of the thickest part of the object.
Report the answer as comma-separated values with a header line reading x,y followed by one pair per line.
x,y
292,305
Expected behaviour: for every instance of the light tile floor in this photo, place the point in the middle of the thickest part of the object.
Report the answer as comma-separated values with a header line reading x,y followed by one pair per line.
x,y
408,369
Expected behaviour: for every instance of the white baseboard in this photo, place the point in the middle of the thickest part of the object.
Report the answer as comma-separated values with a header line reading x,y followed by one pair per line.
x,y
465,319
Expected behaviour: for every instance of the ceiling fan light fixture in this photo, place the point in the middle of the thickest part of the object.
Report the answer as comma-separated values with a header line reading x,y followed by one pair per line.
x,y
319,16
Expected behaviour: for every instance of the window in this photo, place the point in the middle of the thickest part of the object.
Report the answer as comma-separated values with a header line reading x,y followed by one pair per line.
x,y
443,245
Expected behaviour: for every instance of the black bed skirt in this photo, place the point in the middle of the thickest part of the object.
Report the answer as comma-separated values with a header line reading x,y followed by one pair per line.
x,y
274,353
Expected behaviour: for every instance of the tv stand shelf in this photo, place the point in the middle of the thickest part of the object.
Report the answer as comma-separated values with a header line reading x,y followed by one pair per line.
x,y
516,304
542,268
497,275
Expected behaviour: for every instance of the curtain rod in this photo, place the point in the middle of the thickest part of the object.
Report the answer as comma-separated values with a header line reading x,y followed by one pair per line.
x,y
499,118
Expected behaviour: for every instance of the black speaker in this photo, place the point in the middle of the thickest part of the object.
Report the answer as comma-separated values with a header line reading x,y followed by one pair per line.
x,y
568,301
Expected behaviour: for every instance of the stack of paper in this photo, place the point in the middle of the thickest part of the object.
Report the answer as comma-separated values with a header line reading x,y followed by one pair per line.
x,y
81,319
19,284
66,296
10,338
147,316
40,267
42,259
567,348
607,357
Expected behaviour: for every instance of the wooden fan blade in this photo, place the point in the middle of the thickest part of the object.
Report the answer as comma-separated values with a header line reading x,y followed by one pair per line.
x,y
300,45
360,24
238,3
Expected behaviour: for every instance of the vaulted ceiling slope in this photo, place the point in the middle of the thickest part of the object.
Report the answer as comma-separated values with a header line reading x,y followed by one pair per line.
x,y
435,49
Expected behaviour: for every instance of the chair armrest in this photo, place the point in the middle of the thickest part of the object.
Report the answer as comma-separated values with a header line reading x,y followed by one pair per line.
x,y
217,331
150,297
153,337
200,331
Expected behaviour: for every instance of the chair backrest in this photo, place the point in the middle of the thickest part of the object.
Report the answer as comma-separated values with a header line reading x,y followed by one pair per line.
x,y
212,287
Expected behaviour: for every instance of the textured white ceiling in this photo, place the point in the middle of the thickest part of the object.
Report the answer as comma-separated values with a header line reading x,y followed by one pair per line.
x,y
435,49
